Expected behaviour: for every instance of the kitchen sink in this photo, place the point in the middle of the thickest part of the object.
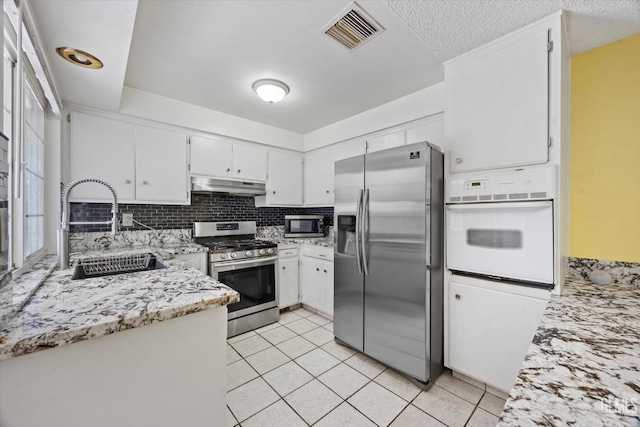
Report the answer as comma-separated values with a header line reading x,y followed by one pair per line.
x,y
112,265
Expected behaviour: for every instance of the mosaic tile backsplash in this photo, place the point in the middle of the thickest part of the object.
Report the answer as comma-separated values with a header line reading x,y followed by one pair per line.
x,y
204,207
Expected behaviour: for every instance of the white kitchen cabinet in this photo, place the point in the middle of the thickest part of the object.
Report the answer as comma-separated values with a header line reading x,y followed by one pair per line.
x,y
161,165
490,330
144,164
249,163
284,180
316,278
222,158
497,104
199,261
318,177
385,141
288,277
102,148
211,157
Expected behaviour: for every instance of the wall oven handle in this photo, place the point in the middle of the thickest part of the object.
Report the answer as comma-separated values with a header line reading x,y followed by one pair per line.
x,y
364,231
248,263
358,220
499,205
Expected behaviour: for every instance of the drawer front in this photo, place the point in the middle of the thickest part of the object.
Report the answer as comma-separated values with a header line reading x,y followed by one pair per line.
x,y
318,252
287,253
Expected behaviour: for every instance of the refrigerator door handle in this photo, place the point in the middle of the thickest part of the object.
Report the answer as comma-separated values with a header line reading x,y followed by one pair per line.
x,y
364,231
358,221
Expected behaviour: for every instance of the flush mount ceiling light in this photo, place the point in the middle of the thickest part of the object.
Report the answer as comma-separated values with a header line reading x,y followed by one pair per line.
x,y
79,57
270,90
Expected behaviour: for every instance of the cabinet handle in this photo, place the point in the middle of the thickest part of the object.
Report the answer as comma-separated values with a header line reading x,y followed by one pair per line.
x,y
284,268
317,269
325,271
457,296
127,181
458,160
274,192
238,170
228,170
327,191
144,182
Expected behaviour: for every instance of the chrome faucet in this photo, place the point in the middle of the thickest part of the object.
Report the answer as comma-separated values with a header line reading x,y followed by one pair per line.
x,y
63,232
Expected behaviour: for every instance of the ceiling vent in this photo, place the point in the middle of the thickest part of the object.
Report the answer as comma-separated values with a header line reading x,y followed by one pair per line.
x,y
352,27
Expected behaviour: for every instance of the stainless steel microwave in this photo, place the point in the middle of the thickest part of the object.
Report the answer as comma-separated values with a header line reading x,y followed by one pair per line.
x,y
303,226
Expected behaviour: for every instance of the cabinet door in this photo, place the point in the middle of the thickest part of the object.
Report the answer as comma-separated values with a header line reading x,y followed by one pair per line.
x,y
284,183
311,279
197,261
327,288
490,332
249,163
161,166
211,157
288,282
382,142
497,106
318,178
102,148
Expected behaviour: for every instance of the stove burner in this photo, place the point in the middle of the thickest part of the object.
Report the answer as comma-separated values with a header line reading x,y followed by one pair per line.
x,y
236,245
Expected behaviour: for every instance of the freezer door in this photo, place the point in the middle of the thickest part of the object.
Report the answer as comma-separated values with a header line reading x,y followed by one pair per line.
x,y
348,281
396,254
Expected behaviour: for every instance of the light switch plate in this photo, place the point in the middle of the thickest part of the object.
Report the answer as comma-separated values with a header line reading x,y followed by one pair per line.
x,y
127,220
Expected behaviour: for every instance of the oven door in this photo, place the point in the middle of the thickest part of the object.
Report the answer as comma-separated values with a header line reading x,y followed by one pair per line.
x,y
254,280
505,240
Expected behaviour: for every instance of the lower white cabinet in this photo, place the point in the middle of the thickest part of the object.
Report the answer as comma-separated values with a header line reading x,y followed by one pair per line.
x,y
316,278
490,330
288,270
198,260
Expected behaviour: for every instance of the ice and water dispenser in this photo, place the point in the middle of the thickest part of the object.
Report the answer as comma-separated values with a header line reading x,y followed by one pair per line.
x,y
347,234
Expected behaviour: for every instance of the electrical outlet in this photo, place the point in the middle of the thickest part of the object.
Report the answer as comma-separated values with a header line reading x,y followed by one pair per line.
x,y
127,220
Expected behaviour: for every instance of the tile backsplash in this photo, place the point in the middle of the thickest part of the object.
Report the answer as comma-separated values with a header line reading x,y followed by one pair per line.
x,y
204,207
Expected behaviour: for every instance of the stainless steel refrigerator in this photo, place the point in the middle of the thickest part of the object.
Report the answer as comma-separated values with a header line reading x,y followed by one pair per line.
x,y
388,260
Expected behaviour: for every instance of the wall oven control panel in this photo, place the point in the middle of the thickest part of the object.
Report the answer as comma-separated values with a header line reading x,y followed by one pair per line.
x,y
536,183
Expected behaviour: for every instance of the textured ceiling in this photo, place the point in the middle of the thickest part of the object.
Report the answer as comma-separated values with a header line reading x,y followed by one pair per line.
x,y
453,27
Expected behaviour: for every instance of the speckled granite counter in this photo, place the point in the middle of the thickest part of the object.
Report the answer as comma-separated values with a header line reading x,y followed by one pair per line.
x,y
275,234
63,311
583,367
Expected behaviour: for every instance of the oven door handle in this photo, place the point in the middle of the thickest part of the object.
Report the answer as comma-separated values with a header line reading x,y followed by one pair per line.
x,y
499,205
223,266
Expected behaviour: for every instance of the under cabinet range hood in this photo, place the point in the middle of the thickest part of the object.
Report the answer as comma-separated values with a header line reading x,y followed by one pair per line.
x,y
239,188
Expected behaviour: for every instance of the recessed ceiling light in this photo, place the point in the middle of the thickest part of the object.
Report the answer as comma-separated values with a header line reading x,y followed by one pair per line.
x,y
79,57
270,90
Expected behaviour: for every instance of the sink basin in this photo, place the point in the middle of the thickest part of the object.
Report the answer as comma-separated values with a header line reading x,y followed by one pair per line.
x,y
113,265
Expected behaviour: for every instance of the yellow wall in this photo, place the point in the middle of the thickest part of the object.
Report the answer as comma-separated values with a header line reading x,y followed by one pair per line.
x,y
605,152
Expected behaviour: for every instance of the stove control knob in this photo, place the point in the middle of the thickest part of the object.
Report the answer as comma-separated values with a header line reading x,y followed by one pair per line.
x,y
233,255
248,253
262,252
223,256
269,251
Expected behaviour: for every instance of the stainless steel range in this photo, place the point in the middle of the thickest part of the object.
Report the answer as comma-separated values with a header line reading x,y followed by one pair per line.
x,y
246,265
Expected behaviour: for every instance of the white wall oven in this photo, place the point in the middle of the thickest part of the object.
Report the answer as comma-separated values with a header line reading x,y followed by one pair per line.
x,y
501,226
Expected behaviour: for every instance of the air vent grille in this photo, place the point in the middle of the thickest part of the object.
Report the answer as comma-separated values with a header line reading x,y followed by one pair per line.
x,y
353,27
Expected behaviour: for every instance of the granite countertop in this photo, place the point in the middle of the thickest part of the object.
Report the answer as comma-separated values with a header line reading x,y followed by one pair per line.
x,y
583,366
64,311
326,242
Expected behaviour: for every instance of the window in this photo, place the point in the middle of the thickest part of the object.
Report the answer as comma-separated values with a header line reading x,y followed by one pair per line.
x,y
33,146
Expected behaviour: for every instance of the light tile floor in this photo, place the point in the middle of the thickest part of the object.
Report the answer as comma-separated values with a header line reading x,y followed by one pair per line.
x,y
292,373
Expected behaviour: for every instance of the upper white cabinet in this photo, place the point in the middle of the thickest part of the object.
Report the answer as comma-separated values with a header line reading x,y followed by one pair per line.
x,y
222,158
430,129
385,141
161,165
143,164
284,181
105,149
498,103
318,177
